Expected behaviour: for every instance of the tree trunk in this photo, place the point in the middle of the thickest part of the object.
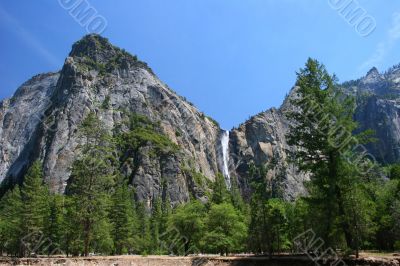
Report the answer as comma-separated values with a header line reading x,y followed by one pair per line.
x,y
87,238
357,248
344,224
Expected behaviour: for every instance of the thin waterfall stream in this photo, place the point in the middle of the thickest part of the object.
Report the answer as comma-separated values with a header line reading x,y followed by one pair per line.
x,y
225,157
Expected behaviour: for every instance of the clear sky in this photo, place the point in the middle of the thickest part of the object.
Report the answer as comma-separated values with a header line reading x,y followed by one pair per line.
x,y
231,58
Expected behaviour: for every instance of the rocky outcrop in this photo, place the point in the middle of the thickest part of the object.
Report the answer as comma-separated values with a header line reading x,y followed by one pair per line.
x,y
41,121
378,108
262,141
19,120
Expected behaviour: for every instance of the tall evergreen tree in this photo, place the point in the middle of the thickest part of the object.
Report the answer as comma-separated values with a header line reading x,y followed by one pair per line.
x,y
220,192
277,225
123,218
323,129
388,195
54,224
35,209
237,199
156,219
258,241
71,229
91,179
144,241
11,207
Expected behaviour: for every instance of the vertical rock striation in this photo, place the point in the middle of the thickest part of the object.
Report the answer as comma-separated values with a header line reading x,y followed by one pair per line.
x,y
41,122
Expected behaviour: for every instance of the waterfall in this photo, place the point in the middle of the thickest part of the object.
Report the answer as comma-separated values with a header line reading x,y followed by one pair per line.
x,y
225,158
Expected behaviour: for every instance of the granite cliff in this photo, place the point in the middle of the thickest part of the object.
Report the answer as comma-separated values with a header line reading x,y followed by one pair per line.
x,y
378,108
41,122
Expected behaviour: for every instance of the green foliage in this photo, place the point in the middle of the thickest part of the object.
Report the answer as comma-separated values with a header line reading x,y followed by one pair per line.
x,y
394,171
35,207
187,226
178,133
220,192
237,200
117,61
226,230
91,178
324,133
123,219
268,230
87,64
298,220
25,215
202,183
54,224
277,220
156,227
106,102
387,217
213,121
348,208
142,132
11,231
397,245
144,242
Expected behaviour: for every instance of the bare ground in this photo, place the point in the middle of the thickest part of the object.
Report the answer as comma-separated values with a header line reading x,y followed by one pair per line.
x,y
367,259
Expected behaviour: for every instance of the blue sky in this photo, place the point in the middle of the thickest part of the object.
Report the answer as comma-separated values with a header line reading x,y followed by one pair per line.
x,y
231,58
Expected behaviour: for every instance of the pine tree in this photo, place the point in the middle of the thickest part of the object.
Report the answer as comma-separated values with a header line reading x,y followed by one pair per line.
x,y
155,221
35,209
387,198
166,213
54,224
277,225
395,171
123,218
91,178
237,199
323,129
11,207
220,192
144,239
72,242
258,241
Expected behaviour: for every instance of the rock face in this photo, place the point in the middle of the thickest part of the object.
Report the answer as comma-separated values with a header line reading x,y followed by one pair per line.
x,y
19,120
41,122
378,108
262,140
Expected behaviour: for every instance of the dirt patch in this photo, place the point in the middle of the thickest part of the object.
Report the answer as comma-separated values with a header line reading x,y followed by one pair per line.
x,y
194,261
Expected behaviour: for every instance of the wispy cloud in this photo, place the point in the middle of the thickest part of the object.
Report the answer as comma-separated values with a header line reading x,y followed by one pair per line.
x,y
30,40
384,47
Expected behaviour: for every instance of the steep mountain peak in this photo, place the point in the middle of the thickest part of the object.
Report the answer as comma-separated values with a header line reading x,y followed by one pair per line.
x,y
43,124
372,76
92,45
96,52
373,72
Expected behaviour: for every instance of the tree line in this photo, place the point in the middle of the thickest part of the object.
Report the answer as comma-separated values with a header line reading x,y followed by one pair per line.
x,y
349,205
